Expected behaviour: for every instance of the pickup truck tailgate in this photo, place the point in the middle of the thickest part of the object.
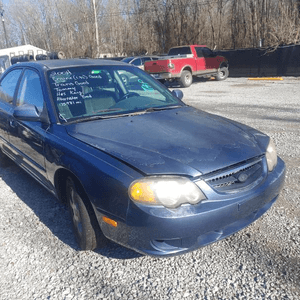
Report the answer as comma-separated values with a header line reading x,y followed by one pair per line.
x,y
157,66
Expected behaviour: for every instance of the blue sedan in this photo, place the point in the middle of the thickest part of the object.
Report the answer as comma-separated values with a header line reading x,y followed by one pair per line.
x,y
133,163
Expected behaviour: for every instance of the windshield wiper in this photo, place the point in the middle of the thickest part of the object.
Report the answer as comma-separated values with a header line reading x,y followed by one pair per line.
x,y
90,118
107,110
149,109
99,117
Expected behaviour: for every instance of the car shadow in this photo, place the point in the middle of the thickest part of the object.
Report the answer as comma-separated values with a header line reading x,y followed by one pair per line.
x,y
175,84
50,211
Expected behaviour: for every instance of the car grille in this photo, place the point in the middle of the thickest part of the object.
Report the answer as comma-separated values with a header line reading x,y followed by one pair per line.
x,y
241,176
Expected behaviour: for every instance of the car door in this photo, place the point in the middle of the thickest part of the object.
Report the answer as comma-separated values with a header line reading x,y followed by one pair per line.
x,y
211,62
200,60
8,86
27,137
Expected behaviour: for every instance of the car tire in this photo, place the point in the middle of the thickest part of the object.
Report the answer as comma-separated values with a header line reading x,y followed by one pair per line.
x,y
223,73
186,78
81,220
163,81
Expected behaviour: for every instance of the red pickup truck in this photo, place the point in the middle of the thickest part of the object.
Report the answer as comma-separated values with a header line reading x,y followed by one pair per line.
x,y
184,62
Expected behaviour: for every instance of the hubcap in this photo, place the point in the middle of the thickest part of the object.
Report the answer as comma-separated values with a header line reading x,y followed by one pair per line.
x,y
75,211
222,74
187,79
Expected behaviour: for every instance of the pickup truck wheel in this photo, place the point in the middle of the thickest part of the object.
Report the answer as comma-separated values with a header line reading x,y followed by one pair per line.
x,y
81,221
186,78
222,74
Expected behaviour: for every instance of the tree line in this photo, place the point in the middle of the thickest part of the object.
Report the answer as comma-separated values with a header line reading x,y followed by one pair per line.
x,y
90,28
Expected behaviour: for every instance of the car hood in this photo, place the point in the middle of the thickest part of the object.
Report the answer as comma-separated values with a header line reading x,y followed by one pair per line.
x,y
183,141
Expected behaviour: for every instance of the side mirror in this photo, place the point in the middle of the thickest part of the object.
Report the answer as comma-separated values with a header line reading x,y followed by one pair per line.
x,y
29,112
178,94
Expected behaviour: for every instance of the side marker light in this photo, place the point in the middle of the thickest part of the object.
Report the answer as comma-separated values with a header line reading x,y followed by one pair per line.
x,y
110,221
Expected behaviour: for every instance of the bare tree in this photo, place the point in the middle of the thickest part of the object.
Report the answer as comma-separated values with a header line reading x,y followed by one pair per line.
x,y
90,27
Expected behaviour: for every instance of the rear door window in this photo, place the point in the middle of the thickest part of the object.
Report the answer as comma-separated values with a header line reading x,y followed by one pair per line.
x,y
207,52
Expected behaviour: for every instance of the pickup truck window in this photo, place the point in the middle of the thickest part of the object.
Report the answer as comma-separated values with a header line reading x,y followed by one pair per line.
x,y
8,85
199,51
207,52
180,51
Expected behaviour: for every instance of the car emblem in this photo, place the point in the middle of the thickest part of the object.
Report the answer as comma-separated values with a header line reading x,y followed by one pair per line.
x,y
242,177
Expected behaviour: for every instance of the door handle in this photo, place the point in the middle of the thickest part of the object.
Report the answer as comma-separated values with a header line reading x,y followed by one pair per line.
x,y
12,123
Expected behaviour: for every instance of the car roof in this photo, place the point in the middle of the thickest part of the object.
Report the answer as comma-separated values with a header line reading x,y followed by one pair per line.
x,y
65,63
141,56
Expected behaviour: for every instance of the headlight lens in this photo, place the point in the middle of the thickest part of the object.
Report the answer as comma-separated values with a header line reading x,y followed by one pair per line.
x,y
271,156
169,191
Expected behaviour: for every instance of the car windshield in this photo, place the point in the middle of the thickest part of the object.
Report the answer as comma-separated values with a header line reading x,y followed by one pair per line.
x,y
85,93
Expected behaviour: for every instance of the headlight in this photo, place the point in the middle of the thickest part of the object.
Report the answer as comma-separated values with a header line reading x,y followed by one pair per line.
x,y
271,156
169,191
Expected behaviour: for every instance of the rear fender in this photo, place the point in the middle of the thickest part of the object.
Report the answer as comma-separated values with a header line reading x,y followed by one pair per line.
x,y
188,68
224,64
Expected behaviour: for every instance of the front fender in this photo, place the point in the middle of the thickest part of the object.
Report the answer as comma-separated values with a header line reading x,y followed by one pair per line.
x,y
104,178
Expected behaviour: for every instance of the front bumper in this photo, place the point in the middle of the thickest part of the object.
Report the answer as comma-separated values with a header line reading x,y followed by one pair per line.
x,y
159,231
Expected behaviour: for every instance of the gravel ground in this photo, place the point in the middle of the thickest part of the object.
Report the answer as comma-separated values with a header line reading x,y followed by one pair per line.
x,y
39,258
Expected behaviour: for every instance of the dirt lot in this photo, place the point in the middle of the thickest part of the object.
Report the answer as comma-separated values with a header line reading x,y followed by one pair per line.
x,y
272,107
39,258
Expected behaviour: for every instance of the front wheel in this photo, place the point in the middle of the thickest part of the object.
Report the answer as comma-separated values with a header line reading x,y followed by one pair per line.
x,y
223,73
186,78
81,221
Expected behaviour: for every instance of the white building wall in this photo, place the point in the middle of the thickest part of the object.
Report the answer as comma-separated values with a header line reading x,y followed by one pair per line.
x,y
21,50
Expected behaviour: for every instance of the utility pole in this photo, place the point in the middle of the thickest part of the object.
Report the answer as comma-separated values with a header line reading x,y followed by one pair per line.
x,y
1,13
96,28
